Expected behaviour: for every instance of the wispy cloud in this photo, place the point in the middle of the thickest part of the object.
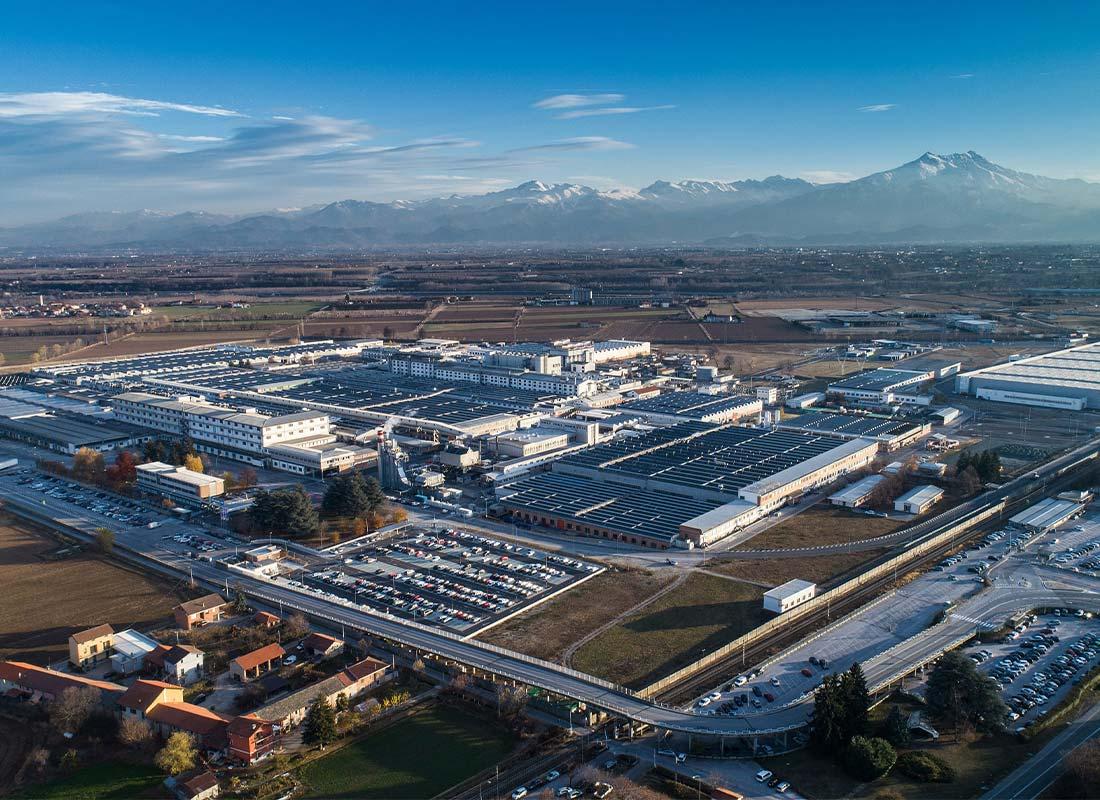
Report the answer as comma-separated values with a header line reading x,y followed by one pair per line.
x,y
578,143
610,110
827,176
963,75
877,108
578,100
176,137
52,104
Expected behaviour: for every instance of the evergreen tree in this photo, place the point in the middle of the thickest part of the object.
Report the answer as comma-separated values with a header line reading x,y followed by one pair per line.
x,y
827,733
962,697
962,462
320,725
285,511
856,702
352,495
896,728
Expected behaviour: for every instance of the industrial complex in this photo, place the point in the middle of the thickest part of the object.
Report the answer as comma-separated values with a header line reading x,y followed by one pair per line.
x,y
1068,379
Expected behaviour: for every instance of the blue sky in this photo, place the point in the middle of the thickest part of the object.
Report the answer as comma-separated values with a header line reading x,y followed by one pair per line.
x,y
245,106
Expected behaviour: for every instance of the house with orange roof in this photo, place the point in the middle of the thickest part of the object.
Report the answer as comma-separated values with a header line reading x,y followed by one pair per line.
x,y
162,705
90,647
251,738
254,664
20,679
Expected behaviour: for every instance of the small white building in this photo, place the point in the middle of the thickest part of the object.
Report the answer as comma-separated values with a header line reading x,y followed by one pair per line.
x,y
804,401
130,649
793,593
769,395
857,493
918,500
943,416
183,664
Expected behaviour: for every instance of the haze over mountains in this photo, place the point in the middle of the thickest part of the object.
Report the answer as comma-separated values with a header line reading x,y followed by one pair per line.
x,y
960,197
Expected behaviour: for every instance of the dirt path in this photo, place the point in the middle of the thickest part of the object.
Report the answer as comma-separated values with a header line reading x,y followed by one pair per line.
x,y
567,656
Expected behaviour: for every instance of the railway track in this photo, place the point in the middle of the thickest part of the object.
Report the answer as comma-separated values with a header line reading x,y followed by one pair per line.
x,y
718,673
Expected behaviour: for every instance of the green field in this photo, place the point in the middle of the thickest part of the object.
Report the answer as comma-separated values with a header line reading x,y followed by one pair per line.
x,y
416,758
701,615
106,781
295,309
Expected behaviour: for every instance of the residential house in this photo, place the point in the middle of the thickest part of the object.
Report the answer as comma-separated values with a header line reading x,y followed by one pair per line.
x,y
162,706
266,619
90,647
322,646
251,738
349,682
201,785
253,665
181,664
40,683
199,611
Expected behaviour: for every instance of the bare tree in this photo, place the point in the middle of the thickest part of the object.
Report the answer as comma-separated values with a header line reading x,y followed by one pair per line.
x,y
134,732
71,709
296,626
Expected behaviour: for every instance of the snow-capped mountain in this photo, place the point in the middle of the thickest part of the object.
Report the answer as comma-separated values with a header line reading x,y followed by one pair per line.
x,y
934,198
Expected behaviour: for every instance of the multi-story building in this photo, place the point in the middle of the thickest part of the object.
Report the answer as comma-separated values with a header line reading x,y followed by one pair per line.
x,y
90,647
178,483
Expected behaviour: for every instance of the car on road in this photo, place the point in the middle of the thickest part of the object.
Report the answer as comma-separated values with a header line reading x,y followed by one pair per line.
x,y
763,776
519,793
290,660
783,786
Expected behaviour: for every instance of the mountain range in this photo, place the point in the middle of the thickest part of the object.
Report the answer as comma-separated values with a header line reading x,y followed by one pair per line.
x,y
960,197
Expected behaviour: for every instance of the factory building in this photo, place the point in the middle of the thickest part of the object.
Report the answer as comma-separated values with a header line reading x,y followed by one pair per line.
x,y
178,483
530,442
684,485
891,434
670,408
1067,379
883,387
857,493
918,500
1046,515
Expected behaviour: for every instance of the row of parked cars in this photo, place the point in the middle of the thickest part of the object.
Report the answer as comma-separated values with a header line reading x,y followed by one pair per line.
x,y
773,781
128,512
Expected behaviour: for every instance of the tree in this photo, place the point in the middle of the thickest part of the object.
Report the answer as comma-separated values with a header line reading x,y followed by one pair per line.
x,y
105,540
970,481
193,462
178,754
925,767
73,707
895,729
320,725
134,732
962,697
352,495
123,472
296,626
827,735
287,511
246,478
869,758
358,527
229,480
1081,780
342,703
398,514
855,701
88,465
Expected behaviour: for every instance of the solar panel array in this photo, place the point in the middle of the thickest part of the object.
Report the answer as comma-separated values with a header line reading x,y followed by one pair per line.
x,y
696,455
606,505
694,405
849,425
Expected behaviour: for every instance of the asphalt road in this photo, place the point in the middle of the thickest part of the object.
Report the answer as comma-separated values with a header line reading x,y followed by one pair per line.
x,y
994,605
1035,775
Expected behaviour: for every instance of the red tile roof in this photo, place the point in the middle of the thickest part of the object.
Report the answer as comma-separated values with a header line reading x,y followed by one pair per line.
x,y
48,681
264,654
157,655
199,783
189,717
246,724
320,642
366,668
143,693
201,604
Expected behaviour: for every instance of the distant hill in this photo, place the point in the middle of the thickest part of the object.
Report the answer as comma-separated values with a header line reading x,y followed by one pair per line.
x,y
960,197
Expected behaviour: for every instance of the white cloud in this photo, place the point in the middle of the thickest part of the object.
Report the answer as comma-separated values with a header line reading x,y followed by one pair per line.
x,y
579,143
578,100
175,137
963,75
599,112
877,108
54,104
827,176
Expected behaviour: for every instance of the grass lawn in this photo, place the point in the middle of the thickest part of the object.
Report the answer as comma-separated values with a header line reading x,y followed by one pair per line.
x,y
416,758
546,631
702,614
822,570
821,524
105,781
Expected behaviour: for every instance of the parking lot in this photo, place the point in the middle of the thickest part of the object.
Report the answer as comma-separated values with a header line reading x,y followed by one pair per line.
x,y
912,608
456,579
106,504
1075,547
1038,662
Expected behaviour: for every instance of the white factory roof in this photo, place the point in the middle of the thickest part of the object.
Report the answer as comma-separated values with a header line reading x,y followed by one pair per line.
x,y
181,474
1046,513
131,643
921,495
858,490
793,586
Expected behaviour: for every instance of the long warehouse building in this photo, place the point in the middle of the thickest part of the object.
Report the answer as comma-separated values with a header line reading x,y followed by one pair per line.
x,y
1067,379
687,485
